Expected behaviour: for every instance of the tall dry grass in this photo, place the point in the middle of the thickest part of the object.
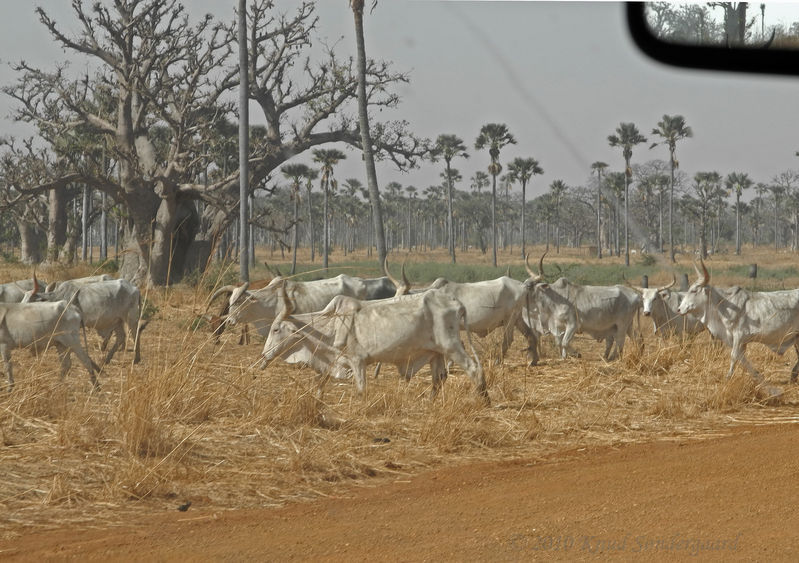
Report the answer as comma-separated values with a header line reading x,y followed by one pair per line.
x,y
197,421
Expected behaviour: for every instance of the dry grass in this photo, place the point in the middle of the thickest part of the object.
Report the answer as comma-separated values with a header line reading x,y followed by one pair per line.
x,y
200,422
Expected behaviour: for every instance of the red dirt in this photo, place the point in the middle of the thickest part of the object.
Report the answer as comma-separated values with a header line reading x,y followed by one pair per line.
x,y
733,497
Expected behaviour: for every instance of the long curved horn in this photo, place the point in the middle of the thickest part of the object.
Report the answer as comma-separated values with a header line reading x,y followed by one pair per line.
x,y
226,289
387,273
631,286
405,283
672,284
288,306
541,264
706,274
533,276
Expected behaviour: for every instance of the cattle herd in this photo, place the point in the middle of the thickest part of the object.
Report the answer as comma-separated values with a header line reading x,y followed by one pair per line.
x,y
339,326
35,319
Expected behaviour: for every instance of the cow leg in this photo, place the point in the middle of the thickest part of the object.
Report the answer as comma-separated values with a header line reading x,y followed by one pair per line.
x,y
532,341
66,361
472,369
737,355
73,345
795,368
608,346
119,341
566,341
359,374
6,353
439,374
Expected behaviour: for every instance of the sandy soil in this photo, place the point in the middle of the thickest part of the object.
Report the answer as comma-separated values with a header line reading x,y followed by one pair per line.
x,y
732,497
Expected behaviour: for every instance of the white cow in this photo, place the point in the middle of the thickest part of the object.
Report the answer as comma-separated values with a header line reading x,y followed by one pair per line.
x,y
660,304
37,325
737,317
565,308
13,292
261,307
88,279
109,307
489,305
408,331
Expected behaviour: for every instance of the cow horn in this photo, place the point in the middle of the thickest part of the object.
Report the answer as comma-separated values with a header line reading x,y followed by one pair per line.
x,y
530,271
631,286
36,287
705,273
672,284
387,273
238,292
273,269
541,264
50,287
226,289
288,306
406,284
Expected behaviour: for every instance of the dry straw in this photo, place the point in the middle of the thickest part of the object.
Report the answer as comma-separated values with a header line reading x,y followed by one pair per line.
x,y
197,421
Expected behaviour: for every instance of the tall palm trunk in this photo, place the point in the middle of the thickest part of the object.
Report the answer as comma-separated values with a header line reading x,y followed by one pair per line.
x,y
671,210
524,195
450,226
244,145
296,235
366,137
494,218
326,227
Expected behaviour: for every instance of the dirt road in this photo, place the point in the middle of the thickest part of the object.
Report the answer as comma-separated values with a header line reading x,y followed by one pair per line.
x,y
733,497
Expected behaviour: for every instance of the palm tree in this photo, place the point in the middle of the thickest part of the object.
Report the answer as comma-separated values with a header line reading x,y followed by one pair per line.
x,y
671,129
448,147
558,188
777,191
598,167
479,181
494,136
626,137
738,182
309,178
707,186
411,191
327,158
615,183
521,170
366,137
295,173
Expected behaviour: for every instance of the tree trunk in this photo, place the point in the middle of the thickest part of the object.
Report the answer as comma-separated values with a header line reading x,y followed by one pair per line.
x,y
366,136
57,224
29,241
450,226
494,219
326,227
84,225
244,145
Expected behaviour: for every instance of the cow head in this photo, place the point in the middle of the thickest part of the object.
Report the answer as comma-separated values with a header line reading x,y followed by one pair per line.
x,y
650,295
696,298
284,333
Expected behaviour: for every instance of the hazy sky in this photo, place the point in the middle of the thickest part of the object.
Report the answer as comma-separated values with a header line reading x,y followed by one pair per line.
x,y
560,75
